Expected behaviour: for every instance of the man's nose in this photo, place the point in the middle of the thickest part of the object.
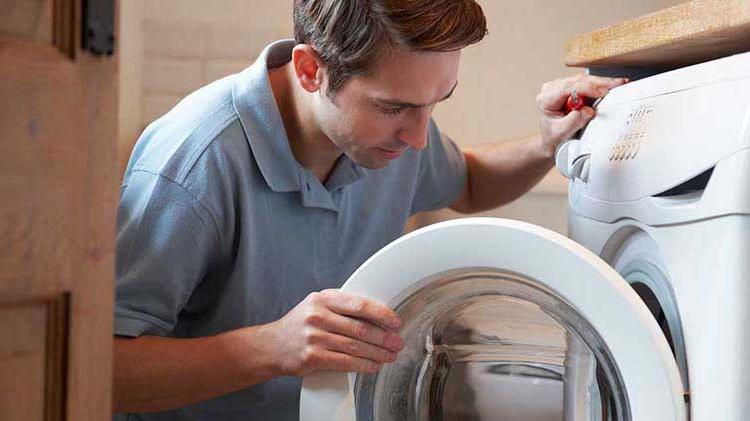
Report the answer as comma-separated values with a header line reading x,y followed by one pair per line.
x,y
414,133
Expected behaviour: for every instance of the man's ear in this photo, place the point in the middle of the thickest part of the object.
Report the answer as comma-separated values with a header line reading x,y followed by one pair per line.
x,y
308,67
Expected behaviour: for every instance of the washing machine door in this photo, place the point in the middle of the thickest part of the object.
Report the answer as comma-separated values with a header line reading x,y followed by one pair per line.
x,y
504,321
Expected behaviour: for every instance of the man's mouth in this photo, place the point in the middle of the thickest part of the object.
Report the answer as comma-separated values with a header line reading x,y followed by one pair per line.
x,y
391,154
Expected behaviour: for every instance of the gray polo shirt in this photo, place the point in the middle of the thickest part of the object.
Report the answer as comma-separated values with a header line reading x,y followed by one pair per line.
x,y
219,227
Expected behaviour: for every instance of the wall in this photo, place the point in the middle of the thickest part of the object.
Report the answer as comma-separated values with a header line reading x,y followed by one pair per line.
x,y
171,47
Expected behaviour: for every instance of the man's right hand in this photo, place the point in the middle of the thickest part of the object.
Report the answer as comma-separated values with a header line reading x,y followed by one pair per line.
x,y
334,330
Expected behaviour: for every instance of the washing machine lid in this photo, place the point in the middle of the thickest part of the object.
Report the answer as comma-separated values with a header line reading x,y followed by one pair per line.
x,y
545,261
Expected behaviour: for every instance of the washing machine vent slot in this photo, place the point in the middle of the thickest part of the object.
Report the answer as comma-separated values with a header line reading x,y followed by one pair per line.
x,y
695,184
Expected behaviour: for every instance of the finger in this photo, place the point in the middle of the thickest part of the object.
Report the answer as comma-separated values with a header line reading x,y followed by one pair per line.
x,y
554,100
354,347
361,308
603,80
554,95
362,330
337,361
568,125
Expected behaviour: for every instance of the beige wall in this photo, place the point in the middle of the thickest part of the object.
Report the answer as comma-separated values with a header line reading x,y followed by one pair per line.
x,y
171,47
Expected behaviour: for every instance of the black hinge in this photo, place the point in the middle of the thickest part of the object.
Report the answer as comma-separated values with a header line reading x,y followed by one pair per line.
x,y
99,27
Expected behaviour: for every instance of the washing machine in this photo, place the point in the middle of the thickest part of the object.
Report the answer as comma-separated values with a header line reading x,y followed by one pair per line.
x,y
637,315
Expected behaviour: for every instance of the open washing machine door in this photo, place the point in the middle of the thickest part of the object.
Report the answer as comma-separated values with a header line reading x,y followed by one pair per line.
x,y
504,320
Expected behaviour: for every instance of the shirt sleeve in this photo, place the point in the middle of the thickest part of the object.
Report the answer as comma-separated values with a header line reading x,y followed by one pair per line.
x,y
166,241
442,173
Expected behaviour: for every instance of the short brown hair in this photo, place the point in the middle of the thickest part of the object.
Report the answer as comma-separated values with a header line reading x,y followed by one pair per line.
x,y
351,35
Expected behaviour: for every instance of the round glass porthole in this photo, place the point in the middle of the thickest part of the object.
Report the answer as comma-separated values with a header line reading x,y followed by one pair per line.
x,y
491,345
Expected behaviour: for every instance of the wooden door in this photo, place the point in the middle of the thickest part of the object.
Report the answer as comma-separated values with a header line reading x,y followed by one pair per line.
x,y
58,199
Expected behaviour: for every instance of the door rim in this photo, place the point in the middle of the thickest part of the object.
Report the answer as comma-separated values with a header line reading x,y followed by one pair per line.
x,y
598,293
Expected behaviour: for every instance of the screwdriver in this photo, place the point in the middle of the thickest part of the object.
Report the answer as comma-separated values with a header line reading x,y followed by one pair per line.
x,y
574,102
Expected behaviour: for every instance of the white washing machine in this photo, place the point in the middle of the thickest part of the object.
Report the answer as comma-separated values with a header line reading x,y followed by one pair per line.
x,y
638,316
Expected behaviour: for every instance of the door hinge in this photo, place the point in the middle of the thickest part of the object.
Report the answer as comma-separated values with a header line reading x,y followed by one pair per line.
x,y
99,27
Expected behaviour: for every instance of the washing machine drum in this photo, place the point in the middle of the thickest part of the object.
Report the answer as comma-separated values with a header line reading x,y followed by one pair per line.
x,y
504,321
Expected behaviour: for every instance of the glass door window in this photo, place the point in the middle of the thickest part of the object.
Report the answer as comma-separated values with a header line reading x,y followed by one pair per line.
x,y
487,345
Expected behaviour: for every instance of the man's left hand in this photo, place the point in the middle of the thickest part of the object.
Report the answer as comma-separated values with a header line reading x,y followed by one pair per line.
x,y
555,125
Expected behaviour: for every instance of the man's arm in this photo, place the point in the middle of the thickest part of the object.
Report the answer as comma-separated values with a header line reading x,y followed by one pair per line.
x,y
329,330
498,173
501,172
153,373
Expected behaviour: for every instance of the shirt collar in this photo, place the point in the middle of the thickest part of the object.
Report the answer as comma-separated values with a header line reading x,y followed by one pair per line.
x,y
344,172
257,110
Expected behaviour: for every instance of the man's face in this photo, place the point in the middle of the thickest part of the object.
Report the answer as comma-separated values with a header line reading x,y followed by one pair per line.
x,y
373,119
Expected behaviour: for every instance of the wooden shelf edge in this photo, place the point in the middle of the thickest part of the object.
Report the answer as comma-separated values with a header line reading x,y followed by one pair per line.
x,y
681,35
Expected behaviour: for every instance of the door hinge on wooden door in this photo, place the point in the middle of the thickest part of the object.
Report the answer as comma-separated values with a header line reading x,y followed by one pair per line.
x,y
99,27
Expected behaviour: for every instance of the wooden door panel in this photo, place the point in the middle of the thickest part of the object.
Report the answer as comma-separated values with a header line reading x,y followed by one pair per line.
x,y
44,186
27,19
58,201
33,359
22,361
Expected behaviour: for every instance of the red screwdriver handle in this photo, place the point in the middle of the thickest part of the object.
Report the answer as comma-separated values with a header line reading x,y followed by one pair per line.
x,y
574,102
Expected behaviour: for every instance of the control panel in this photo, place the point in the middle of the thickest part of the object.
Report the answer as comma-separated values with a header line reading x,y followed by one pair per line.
x,y
632,136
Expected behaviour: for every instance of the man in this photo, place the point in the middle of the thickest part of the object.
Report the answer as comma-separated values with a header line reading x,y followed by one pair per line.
x,y
244,207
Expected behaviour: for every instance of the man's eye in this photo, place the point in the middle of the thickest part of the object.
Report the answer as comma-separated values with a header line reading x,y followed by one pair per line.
x,y
392,111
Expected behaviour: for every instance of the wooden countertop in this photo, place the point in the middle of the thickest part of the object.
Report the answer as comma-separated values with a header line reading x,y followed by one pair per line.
x,y
682,35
